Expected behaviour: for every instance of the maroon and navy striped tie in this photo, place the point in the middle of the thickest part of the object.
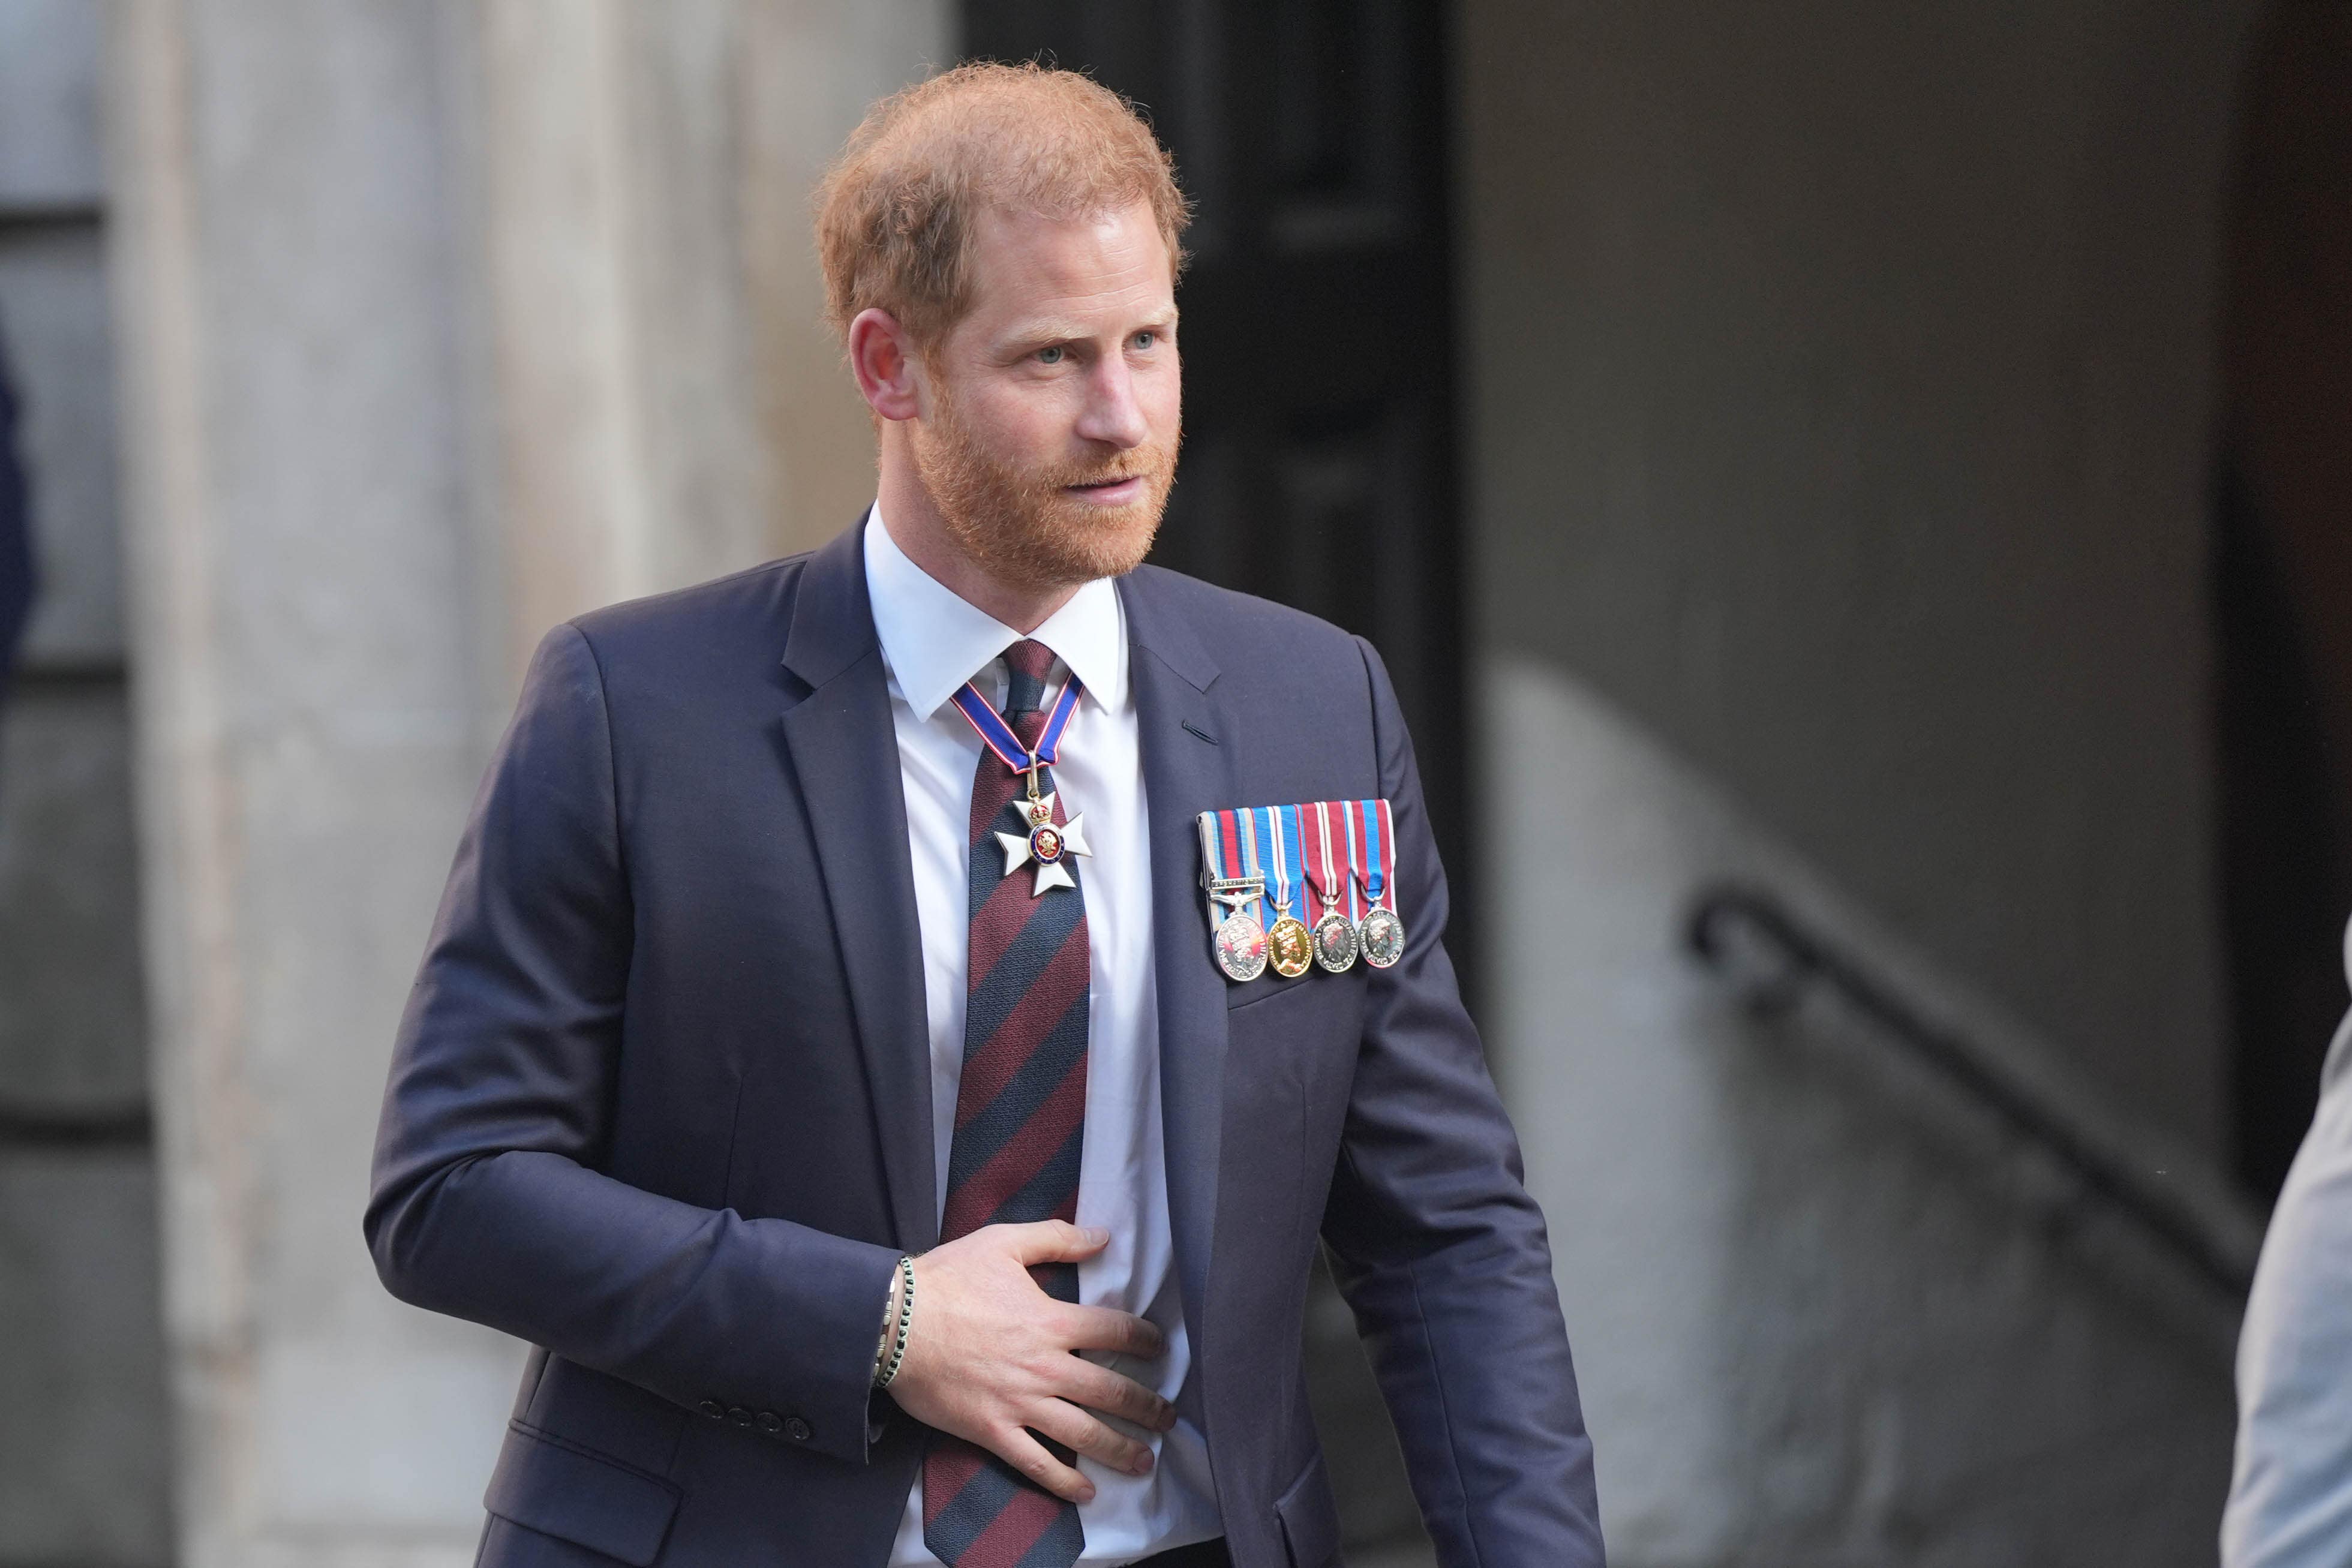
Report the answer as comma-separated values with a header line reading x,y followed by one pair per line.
x,y
1020,1115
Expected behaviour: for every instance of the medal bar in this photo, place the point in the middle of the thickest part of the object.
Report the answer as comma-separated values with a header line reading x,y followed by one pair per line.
x,y
1298,887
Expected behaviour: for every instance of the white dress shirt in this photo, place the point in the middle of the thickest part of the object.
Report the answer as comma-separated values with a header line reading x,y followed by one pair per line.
x,y
932,642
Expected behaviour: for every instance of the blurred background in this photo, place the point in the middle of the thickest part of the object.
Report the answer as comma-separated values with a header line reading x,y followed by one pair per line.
x,y
1856,496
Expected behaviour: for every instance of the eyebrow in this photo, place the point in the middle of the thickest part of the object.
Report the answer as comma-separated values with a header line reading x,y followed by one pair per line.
x,y
1050,329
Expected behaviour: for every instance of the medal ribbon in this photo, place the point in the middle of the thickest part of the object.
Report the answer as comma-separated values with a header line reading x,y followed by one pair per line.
x,y
1221,863
1377,861
1386,857
1229,860
1250,862
1294,839
1281,823
1315,824
998,736
1348,824
1212,864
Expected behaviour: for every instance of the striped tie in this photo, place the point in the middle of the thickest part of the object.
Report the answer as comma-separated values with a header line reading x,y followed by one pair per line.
x,y
1020,1114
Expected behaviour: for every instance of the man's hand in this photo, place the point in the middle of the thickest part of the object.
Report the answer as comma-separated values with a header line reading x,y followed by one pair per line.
x,y
988,1355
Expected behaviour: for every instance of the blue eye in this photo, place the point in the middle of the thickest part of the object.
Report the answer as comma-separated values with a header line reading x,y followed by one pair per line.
x,y
1052,355
1144,339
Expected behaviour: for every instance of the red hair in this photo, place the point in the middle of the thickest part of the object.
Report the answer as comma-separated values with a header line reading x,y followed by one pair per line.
x,y
895,213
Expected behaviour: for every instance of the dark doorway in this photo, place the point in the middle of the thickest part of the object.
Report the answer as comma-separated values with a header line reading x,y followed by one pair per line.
x,y
2283,581
1318,463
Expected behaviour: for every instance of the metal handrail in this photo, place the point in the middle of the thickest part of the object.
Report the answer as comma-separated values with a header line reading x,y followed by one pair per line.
x,y
1806,958
41,1127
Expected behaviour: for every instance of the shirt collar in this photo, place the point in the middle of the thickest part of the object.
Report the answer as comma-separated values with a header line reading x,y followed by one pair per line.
x,y
934,641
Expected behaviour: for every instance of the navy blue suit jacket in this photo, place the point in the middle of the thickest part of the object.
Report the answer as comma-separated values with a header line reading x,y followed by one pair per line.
x,y
661,1100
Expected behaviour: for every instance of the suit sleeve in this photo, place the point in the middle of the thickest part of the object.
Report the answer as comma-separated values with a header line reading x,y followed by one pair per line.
x,y
489,1203
1441,1251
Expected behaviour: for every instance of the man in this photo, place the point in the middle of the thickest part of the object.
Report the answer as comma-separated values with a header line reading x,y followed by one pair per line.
x,y
2291,1498
884,1186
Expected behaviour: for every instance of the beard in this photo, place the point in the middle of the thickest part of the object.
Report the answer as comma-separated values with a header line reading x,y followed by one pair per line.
x,y
1016,521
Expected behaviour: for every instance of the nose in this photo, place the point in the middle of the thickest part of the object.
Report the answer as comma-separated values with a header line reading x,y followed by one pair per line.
x,y
1111,414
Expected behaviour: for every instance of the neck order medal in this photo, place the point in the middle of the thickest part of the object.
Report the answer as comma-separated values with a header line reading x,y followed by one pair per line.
x,y
1046,842
1042,841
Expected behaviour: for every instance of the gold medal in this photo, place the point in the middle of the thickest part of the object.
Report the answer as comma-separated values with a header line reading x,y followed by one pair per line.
x,y
1289,948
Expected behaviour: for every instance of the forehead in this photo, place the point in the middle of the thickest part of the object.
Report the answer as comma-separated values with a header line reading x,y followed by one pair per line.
x,y
1024,267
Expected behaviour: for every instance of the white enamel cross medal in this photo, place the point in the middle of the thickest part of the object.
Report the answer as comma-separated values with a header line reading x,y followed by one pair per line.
x,y
1047,842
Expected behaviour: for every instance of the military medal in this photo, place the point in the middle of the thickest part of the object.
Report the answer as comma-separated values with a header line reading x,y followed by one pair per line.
x,y
1381,930
1241,941
1042,841
1229,872
1335,933
1289,948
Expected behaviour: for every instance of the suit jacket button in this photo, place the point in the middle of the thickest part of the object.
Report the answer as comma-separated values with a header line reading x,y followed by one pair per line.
x,y
713,1409
771,1423
738,1414
797,1430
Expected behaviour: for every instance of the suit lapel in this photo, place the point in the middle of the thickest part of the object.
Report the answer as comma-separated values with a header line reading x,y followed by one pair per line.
x,y
1187,769
842,749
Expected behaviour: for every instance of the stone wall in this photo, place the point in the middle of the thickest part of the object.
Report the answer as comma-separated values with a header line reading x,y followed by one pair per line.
x,y
1824,1312
438,325
84,1456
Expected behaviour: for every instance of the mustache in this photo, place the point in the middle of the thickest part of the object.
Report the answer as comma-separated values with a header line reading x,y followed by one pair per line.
x,y
1141,463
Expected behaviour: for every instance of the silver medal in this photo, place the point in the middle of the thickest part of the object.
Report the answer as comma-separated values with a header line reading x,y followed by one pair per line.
x,y
1241,947
1381,934
1335,943
1046,842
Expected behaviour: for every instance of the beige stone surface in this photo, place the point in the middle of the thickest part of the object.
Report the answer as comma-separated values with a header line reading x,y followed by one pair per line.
x,y
473,351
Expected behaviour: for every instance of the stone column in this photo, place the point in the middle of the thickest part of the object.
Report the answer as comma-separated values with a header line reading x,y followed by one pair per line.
x,y
811,68
439,323
305,711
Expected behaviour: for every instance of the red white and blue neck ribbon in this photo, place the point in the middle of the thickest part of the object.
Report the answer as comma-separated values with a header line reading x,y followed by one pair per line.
x,y
998,736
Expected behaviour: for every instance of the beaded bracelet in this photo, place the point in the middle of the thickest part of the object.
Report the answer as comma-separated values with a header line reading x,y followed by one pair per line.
x,y
905,1320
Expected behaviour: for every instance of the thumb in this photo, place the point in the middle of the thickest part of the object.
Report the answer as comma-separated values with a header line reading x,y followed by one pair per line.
x,y
1055,1241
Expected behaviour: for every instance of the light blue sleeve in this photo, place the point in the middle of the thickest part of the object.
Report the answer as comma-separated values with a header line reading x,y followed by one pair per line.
x,y
2291,1493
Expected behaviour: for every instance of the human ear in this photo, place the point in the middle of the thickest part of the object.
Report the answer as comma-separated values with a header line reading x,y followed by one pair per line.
x,y
882,360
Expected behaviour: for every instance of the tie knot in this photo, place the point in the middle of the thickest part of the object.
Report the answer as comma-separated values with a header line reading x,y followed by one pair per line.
x,y
1027,662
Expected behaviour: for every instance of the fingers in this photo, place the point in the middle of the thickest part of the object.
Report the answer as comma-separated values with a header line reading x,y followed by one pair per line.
x,y
1099,1388
1108,1329
1074,1428
1052,1241
1025,1454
